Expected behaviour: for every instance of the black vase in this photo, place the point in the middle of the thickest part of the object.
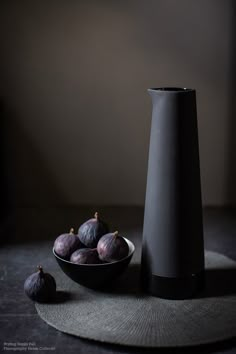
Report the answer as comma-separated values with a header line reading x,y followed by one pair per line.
x,y
173,247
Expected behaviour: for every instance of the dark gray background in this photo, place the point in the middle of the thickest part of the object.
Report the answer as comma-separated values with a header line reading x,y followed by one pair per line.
x,y
74,76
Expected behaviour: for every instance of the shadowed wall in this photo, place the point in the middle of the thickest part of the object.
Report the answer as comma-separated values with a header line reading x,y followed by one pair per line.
x,y
74,76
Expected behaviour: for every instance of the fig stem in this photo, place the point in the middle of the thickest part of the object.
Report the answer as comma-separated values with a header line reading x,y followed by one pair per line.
x,y
96,215
116,233
40,268
71,231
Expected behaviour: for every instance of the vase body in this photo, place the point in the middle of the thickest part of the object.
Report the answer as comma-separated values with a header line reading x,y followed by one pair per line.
x,y
173,246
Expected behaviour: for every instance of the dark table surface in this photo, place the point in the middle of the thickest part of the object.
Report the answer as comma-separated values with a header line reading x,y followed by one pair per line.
x,y
26,241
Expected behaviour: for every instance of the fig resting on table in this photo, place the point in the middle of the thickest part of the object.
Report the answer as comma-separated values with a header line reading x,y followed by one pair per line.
x,y
40,286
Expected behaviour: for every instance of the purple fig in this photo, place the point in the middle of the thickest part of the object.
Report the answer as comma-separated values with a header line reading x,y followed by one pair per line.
x,y
85,256
40,286
112,247
66,244
92,230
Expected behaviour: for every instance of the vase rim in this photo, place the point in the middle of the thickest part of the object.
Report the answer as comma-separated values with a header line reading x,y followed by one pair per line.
x,y
171,89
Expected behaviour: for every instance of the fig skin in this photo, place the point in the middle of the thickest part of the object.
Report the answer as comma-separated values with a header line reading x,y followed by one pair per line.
x,y
66,244
40,286
92,230
85,256
112,247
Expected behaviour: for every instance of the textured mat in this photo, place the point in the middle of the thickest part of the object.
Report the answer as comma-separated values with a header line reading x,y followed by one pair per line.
x,y
123,315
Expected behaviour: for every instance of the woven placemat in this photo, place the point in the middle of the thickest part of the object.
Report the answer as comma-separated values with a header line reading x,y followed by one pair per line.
x,y
125,316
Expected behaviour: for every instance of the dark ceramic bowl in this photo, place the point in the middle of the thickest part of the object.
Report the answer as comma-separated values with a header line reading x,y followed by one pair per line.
x,y
95,276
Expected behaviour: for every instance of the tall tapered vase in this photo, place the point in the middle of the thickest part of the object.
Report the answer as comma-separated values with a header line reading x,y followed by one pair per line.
x,y
173,247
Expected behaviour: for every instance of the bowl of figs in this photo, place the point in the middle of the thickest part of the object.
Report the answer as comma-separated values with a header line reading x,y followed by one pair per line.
x,y
95,256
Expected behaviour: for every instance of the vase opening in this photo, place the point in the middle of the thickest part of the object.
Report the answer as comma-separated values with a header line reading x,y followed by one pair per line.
x,y
173,89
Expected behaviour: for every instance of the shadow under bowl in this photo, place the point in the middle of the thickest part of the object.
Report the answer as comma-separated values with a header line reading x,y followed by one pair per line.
x,y
95,276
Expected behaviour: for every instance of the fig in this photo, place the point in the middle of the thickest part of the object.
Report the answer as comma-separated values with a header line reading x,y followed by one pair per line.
x,y
85,256
40,286
92,230
112,247
66,244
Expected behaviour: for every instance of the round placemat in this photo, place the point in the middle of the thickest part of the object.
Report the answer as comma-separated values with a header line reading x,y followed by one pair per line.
x,y
125,316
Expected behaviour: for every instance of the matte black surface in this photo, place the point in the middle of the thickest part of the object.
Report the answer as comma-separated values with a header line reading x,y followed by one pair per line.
x,y
36,231
174,288
173,234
